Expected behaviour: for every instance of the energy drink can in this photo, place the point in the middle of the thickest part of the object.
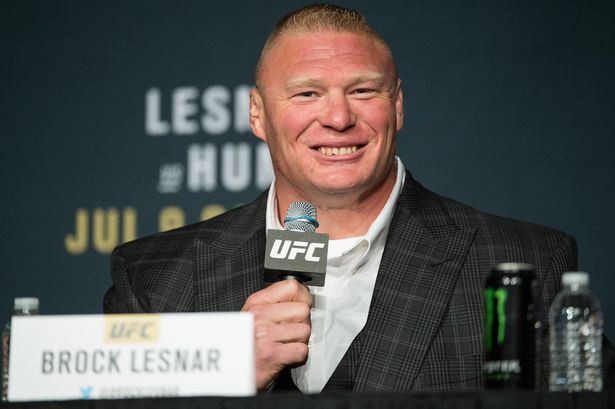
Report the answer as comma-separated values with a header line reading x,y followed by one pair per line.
x,y
512,327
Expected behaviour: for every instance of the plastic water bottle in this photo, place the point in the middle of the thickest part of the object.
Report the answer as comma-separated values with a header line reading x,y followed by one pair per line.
x,y
575,329
23,306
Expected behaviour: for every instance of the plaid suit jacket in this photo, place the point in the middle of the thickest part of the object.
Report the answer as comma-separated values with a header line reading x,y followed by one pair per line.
x,y
425,326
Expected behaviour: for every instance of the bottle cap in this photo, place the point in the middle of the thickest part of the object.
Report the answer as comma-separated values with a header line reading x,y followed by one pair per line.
x,y
575,277
26,303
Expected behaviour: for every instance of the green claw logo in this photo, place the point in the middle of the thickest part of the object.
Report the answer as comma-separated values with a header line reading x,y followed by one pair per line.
x,y
500,296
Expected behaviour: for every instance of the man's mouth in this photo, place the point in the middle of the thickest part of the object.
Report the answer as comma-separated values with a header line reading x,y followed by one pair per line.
x,y
334,151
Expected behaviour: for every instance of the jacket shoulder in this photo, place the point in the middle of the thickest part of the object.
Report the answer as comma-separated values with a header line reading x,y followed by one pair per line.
x,y
466,216
492,224
229,227
495,238
156,273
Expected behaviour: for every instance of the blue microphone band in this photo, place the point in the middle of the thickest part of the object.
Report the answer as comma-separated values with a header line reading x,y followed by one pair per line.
x,y
304,218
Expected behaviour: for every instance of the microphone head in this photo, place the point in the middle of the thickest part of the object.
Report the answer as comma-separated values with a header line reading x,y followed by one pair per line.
x,y
301,216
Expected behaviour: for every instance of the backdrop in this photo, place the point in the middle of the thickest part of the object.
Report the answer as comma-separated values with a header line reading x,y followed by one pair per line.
x,y
119,119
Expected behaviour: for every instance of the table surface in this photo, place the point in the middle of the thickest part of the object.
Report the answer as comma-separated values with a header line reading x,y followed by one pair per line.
x,y
449,400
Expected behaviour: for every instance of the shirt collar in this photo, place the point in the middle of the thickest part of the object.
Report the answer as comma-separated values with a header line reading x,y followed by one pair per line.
x,y
379,226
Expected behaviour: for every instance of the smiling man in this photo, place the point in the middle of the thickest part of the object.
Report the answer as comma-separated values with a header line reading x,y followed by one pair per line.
x,y
329,104
402,306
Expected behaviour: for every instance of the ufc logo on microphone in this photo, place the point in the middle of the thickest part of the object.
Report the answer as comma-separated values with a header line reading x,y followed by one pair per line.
x,y
290,249
296,252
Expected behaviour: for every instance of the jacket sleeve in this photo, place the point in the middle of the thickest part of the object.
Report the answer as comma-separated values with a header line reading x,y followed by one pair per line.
x,y
121,298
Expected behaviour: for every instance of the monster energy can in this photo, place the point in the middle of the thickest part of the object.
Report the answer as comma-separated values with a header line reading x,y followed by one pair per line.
x,y
512,327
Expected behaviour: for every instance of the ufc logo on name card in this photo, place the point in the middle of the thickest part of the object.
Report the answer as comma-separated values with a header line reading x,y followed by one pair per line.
x,y
294,251
132,328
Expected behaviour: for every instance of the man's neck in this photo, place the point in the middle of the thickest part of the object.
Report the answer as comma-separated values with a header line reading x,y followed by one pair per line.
x,y
344,215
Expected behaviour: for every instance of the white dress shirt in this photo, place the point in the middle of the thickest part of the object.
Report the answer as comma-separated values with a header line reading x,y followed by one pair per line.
x,y
341,307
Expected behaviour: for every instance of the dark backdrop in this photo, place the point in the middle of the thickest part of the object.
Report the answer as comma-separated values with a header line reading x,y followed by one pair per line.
x,y
509,107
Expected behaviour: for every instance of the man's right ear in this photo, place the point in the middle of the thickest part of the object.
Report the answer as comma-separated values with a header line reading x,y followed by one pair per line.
x,y
257,114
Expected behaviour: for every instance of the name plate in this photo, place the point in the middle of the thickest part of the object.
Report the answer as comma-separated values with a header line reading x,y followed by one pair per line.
x,y
67,357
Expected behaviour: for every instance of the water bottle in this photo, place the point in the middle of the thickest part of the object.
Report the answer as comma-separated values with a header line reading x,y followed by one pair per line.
x,y
23,306
575,330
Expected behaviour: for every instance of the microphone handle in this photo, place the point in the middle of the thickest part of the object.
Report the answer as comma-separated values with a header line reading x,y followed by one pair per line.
x,y
295,276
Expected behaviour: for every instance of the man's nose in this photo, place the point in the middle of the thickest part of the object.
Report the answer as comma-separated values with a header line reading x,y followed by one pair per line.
x,y
337,114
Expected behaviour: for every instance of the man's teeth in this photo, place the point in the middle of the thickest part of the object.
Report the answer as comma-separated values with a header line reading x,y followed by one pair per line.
x,y
337,151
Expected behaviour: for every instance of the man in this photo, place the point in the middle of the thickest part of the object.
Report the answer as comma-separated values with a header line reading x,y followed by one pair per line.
x,y
402,308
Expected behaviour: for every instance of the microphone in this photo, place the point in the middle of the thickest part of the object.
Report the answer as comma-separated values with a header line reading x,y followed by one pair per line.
x,y
301,216
297,252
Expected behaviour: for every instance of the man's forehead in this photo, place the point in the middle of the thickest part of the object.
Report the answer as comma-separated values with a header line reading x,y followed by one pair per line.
x,y
345,48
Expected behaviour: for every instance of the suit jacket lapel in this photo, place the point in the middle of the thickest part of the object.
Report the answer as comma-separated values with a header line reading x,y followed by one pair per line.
x,y
422,258
229,260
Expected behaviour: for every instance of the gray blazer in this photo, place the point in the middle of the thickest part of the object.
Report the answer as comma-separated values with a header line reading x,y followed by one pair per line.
x,y
425,326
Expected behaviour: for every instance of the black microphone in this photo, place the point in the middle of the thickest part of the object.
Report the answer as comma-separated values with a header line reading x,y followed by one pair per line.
x,y
297,252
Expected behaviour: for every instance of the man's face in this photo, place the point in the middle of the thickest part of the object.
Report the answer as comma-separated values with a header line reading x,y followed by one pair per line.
x,y
328,105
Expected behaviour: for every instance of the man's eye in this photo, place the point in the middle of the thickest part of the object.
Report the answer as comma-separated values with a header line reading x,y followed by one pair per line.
x,y
306,94
364,91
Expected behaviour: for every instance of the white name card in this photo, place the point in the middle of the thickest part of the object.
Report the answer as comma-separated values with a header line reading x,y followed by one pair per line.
x,y
66,357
